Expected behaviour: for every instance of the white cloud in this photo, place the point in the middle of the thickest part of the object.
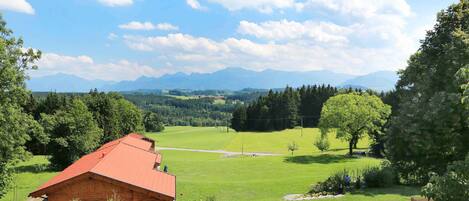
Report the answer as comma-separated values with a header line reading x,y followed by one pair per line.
x,y
135,25
195,5
356,7
17,5
86,67
173,42
189,53
363,8
373,35
288,30
166,27
264,6
116,3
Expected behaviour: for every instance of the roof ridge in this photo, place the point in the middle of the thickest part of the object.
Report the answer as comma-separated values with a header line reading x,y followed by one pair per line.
x,y
113,148
153,152
110,144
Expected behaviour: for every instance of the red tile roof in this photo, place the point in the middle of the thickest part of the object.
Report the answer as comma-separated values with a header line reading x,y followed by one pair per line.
x,y
130,160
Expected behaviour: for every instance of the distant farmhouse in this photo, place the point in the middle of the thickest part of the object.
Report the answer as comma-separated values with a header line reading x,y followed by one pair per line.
x,y
127,169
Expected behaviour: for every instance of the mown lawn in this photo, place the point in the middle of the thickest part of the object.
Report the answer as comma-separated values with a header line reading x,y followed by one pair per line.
x,y
200,175
246,178
274,142
30,175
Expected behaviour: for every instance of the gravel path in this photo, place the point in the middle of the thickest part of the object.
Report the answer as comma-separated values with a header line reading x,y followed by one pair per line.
x,y
227,153
299,197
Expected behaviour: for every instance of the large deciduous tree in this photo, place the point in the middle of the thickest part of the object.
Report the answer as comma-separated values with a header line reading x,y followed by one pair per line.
x,y
152,122
16,126
431,127
130,117
353,115
74,133
115,115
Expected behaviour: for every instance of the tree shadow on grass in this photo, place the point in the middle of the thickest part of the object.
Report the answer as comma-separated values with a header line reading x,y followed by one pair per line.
x,y
323,159
396,190
34,168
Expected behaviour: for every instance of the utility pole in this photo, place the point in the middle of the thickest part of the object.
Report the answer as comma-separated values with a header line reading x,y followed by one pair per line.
x,y
242,145
227,128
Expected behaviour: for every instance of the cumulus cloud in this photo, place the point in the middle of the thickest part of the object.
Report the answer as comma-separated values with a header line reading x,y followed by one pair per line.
x,y
135,25
17,5
191,52
116,3
288,30
373,35
85,67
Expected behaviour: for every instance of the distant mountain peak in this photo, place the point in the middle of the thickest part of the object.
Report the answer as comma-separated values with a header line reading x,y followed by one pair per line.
x,y
231,78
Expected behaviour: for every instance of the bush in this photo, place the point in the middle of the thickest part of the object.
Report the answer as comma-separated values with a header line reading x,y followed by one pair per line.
x,y
292,147
152,122
322,143
333,185
452,186
383,176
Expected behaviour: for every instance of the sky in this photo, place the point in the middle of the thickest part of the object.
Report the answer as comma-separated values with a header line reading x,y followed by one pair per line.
x,y
126,39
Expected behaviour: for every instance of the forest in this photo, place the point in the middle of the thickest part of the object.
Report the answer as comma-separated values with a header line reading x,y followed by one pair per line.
x,y
279,110
192,111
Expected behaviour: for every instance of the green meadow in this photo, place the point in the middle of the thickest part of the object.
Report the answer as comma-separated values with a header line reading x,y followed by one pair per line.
x,y
240,178
29,175
272,142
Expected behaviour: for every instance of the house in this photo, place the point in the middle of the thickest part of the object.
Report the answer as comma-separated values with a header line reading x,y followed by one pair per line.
x,y
127,168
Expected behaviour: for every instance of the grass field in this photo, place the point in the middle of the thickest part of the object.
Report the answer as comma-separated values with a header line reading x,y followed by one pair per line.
x,y
264,178
242,178
273,142
30,175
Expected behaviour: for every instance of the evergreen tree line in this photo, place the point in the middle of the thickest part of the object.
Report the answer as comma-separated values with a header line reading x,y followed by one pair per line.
x,y
283,109
302,106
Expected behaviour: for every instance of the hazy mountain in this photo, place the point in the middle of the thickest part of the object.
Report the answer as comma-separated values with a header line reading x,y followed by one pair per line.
x,y
232,79
64,83
380,81
229,79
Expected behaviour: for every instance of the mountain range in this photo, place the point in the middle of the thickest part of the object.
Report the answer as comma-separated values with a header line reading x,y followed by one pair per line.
x,y
226,79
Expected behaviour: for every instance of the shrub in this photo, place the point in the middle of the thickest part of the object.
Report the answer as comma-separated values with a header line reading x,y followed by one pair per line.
x,y
152,122
292,147
451,186
322,143
383,176
335,184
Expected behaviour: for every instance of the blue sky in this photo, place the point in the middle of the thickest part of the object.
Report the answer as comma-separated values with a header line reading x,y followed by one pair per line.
x,y
126,39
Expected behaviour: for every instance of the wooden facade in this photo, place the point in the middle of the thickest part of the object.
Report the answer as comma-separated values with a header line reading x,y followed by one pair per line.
x,y
96,188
